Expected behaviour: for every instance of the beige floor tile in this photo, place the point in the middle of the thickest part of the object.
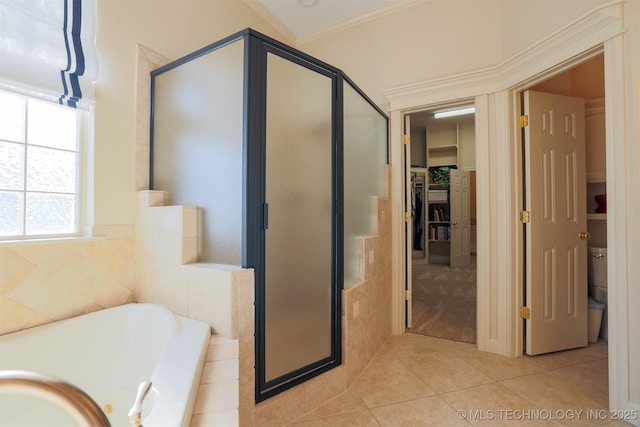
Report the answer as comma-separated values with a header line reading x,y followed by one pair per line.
x,y
550,391
362,418
496,366
420,381
560,359
616,423
593,376
383,354
389,381
349,401
443,372
493,405
408,345
427,411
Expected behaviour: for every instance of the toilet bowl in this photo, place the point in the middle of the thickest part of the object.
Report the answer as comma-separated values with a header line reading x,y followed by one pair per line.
x,y
597,261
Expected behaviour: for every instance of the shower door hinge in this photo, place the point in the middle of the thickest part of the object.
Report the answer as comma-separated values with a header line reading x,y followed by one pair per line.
x,y
406,140
407,295
525,312
407,217
523,121
525,217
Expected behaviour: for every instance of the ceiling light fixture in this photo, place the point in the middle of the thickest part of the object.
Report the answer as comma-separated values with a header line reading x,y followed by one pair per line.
x,y
308,3
457,112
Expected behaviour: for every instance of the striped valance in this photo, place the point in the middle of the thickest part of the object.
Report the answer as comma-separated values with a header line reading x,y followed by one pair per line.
x,y
47,49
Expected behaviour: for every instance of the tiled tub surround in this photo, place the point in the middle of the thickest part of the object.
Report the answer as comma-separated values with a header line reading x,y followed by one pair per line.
x,y
166,278
167,273
42,282
218,397
45,282
113,352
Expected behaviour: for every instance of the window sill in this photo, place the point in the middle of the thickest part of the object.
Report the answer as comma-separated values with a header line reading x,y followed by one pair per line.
x,y
50,240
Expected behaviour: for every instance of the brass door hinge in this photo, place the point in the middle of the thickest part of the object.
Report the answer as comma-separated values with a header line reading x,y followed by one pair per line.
x,y
523,121
407,217
525,312
406,140
407,295
525,217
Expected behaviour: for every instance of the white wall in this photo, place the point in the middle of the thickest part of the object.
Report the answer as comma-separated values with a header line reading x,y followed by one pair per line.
x,y
440,38
172,28
433,39
527,22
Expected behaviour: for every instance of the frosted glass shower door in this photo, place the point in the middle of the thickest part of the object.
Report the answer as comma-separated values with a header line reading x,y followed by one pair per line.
x,y
197,154
299,234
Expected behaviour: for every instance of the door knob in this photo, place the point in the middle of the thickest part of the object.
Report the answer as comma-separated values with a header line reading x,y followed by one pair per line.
x,y
584,235
454,223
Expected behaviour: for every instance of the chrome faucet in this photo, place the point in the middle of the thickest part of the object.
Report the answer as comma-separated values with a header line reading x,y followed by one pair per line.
x,y
135,412
75,402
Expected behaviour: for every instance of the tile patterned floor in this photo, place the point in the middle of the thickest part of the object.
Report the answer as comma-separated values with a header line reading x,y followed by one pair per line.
x,y
417,380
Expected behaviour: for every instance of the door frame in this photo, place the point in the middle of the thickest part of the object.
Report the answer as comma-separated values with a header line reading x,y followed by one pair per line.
x,y
620,224
496,92
405,258
515,106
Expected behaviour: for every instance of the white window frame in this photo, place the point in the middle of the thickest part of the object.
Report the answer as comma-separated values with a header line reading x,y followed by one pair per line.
x,y
84,178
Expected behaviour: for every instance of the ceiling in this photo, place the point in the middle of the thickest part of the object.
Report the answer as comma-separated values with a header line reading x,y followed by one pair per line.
x,y
425,119
304,20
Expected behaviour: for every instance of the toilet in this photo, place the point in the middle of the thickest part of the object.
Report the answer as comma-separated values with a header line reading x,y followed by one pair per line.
x,y
598,283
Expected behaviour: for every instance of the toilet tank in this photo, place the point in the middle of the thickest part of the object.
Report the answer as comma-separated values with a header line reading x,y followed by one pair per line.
x,y
598,266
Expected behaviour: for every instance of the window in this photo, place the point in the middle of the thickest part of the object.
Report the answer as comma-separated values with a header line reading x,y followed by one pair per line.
x,y
39,168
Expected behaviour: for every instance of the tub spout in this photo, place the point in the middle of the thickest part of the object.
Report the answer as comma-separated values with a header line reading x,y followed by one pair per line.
x,y
136,410
75,402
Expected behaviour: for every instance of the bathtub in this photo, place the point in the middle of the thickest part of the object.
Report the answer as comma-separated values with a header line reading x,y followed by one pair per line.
x,y
107,354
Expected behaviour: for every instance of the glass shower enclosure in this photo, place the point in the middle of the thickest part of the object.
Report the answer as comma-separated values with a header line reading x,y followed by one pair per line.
x,y
269,142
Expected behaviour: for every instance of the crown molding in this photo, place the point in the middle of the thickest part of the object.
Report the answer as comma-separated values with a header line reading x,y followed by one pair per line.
x,y
448,88
580,39
377,13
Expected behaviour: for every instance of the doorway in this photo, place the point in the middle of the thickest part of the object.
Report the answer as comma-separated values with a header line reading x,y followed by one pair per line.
x,y
583,83
441,231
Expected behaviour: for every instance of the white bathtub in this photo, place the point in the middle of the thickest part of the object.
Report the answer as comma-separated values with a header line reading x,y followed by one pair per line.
x,y
108,354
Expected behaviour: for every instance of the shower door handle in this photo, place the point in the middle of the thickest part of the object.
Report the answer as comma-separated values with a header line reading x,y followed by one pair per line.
x,y
265,216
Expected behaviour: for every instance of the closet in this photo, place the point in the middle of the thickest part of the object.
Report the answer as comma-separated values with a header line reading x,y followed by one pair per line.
x,y
442,167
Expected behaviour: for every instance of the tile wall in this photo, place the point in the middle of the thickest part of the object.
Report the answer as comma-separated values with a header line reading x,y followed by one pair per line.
x,y
42,282
168,273
223,296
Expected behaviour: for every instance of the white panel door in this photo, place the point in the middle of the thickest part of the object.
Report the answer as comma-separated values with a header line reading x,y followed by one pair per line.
x,y
460,236
556,254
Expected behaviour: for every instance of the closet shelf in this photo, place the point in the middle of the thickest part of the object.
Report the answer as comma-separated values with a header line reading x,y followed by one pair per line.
x,y
597,216
443,148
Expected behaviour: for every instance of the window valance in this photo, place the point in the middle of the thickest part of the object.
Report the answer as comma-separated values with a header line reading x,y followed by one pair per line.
x,y
47,49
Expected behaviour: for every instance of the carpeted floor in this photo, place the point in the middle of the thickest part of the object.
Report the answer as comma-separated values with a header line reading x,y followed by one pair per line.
x,y
444,301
